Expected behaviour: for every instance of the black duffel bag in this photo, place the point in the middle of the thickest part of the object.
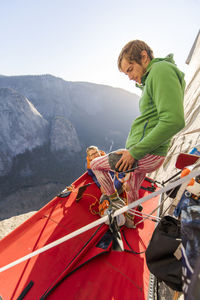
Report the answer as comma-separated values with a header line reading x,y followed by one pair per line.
x,y
160,258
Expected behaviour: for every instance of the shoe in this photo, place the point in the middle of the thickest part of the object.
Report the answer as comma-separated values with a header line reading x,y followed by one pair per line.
x,y
115,202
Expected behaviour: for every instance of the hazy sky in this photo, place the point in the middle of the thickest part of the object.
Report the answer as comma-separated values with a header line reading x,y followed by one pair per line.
x,y
79,40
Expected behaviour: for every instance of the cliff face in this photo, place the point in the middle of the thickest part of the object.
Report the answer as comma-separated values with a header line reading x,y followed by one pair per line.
x,y
22,127
63,135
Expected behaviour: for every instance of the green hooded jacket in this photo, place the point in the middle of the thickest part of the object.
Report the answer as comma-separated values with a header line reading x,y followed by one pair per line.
x,y
161,108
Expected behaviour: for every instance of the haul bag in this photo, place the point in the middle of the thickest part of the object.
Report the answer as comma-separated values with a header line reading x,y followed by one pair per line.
x,y
161,254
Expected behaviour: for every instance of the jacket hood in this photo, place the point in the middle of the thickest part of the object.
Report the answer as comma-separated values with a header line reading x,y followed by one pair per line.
x,y
168,58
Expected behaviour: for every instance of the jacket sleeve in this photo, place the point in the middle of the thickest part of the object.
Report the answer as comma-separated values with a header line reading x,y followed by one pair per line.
x,y
166,88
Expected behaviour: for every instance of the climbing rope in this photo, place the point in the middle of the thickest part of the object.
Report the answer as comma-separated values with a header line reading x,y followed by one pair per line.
x,y
147,216
93,212
155,209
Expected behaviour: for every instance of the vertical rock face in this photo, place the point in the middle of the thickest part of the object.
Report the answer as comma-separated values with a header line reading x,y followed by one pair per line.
x,y
185,140
22,127
63,136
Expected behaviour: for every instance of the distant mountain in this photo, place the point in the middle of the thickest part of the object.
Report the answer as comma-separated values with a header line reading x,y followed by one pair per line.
x,y
22,127
47,124
87,106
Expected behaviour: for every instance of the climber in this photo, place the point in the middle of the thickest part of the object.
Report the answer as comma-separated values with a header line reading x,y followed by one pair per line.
x,y
94,152
161,117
